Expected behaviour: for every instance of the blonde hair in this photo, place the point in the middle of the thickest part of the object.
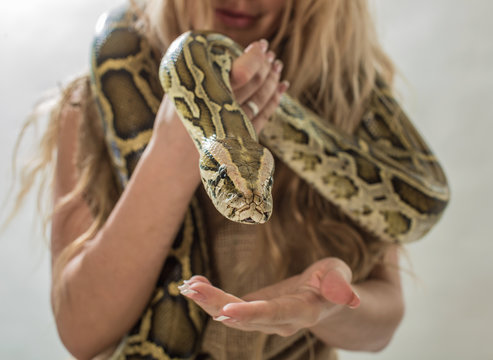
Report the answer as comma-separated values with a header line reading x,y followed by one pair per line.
x,y
331,58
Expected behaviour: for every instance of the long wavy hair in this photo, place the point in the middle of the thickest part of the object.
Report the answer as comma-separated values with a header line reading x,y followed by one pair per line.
x,y
331,58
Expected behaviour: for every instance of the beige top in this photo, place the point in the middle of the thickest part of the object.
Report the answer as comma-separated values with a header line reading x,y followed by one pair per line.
x,y
229,242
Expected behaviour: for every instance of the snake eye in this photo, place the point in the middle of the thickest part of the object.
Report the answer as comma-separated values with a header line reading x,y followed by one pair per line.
x,y
270,182
223,172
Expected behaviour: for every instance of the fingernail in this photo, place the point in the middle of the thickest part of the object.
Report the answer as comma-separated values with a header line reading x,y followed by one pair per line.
x,y
355,301
186,284
278,65
271,56
183,286
284,86
264,45
185,289
221,318
188,292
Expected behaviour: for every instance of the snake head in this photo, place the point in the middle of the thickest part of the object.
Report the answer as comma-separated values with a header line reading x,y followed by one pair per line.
x,y
240,189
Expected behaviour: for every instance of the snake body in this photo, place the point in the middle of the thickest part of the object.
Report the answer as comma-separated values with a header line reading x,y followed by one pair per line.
x,y
384,177
236,170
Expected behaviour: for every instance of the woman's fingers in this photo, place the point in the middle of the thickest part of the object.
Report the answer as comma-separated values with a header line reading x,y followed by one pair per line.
x,y
297,303
331,277
279,329
335,288
264,68
255,79
269,108
196,279
269,85
259,93
255,82
302,310
281,316
322,289
248,64
210,298
250,70
262,93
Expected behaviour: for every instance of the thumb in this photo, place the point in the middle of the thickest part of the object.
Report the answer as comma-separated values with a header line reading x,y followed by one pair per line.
x,y
335,286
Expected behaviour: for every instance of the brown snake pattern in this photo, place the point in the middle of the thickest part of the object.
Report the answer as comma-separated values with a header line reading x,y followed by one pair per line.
x,y
384,176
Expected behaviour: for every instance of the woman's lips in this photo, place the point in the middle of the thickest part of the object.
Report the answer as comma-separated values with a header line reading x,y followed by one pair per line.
x,y
235,19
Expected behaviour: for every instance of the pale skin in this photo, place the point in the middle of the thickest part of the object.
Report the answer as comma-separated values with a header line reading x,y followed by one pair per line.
x,y
106,286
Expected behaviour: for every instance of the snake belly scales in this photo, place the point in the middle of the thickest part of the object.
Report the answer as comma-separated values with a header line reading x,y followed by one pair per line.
x,y
384,176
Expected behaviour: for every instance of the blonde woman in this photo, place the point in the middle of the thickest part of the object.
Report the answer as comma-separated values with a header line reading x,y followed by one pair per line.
x,y
304,284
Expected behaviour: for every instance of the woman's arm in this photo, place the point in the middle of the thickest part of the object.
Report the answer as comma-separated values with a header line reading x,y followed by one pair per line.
x,y
105,287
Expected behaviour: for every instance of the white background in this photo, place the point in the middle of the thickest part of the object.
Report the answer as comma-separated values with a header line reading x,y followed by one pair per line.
x,y
443,49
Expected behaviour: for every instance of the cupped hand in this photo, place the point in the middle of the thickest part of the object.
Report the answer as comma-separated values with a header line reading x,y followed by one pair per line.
x,y
298,302
255,80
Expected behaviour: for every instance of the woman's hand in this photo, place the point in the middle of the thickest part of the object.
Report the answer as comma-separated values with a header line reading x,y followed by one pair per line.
x,y
321,299
255,80
296,303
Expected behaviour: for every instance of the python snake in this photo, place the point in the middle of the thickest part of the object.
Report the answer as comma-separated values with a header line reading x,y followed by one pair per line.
x,y
384,177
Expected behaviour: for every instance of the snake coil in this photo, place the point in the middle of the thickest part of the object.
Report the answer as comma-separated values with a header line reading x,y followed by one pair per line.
x,y
384,176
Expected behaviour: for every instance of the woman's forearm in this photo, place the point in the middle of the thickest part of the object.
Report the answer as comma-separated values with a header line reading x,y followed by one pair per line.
x,y
104,289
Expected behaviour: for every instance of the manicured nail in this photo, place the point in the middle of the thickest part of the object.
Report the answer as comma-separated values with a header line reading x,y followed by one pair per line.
x,y
185,288
271,57
188,292
355,301
221,318
264,45
278,65
284,86
185,285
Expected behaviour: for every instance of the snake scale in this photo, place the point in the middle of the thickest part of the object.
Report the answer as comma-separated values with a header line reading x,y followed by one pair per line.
x,y
384,176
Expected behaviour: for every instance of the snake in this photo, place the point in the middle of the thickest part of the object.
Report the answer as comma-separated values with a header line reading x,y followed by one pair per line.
x,y
384,176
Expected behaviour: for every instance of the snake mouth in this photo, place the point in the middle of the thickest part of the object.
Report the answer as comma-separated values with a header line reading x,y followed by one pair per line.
x,y
248,211
249,221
